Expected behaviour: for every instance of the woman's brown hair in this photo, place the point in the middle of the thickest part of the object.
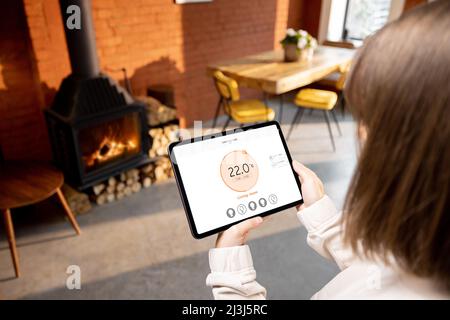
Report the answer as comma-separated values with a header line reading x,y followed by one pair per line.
x,y
398,203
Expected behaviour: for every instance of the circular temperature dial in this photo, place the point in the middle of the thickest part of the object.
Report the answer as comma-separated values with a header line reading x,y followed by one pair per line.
x,y
239,171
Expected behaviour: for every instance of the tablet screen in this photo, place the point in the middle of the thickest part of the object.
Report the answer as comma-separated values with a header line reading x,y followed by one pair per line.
x,y
233,177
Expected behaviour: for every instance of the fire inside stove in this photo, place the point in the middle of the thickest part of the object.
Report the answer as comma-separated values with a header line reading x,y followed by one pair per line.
x,y
110,141
109,148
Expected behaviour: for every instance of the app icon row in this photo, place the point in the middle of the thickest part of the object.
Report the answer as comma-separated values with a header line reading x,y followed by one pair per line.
x,y
252,206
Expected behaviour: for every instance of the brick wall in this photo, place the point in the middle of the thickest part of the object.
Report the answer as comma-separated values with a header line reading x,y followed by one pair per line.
x,y
161,42
409,4
311,17
156,40
50,58
22,129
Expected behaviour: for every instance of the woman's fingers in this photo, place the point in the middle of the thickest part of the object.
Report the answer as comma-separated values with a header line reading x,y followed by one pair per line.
x,y
237,234
312,187
247,225
321,186
301,170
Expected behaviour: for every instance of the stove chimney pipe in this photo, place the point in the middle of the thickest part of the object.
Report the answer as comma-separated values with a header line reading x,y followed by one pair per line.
x,y
80,37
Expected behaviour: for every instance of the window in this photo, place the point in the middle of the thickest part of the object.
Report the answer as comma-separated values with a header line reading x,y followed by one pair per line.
x,y
364,17
351,20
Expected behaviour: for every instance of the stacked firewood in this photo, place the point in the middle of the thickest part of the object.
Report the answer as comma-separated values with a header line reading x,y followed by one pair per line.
x,y
162,137
159,170
78,201
157,113
161,119
131,181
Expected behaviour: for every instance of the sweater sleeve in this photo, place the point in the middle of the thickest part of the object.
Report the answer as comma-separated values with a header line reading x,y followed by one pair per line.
x,y
232,274
325,232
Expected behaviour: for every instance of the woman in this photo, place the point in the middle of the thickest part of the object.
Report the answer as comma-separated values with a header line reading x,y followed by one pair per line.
x,y
393,239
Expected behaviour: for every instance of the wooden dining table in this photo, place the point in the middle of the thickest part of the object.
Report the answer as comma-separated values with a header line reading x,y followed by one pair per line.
x,y
268,72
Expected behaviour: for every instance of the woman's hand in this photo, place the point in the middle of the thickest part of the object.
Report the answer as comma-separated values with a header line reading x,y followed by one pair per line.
x,y
312,187
237,234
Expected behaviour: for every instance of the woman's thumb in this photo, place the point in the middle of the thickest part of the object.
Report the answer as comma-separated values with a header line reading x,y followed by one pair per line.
x,y
300,169
249,224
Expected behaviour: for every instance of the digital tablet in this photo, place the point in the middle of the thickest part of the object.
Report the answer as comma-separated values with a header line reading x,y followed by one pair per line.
x,y
235,175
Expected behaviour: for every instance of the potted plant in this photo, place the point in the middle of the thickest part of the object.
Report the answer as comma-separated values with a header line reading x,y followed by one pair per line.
x,y
298,45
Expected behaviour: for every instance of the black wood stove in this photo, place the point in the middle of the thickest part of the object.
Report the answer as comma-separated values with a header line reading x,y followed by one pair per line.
x,y
96,128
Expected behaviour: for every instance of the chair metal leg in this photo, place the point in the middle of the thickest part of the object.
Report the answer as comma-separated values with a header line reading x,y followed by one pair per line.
x,y
297,119
219,104
329,129
342,104
265,98
11,240
266,103
336,121
280,114
68,211
226,123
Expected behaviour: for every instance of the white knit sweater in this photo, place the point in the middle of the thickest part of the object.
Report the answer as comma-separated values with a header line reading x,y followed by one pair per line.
x,y
233,276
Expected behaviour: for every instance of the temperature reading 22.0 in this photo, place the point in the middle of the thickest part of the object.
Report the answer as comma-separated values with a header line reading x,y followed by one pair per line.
x,y
240,170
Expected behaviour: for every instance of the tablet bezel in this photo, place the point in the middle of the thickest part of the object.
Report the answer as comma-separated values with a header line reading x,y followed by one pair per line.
x,y
182,191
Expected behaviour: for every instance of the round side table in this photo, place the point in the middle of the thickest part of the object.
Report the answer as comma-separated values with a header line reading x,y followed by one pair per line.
x,y
26,183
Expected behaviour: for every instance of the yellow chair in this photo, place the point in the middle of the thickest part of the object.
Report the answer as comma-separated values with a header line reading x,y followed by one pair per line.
x,y
335,82
241,111
316,99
